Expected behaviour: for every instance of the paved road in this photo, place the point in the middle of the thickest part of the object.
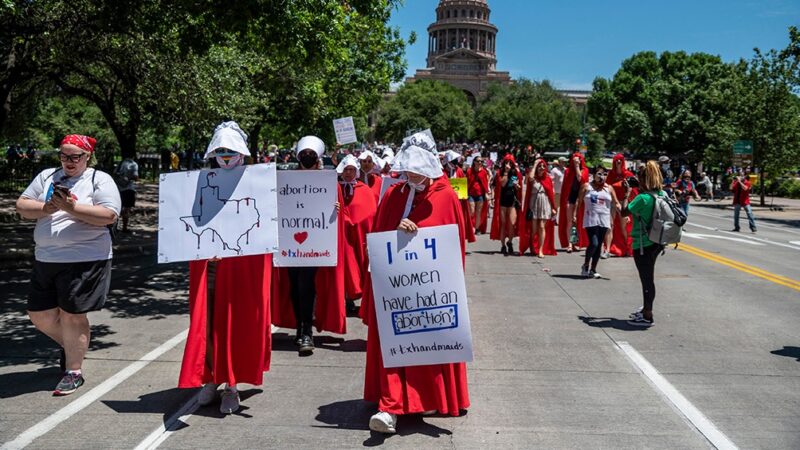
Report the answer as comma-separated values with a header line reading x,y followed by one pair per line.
x,y
556,365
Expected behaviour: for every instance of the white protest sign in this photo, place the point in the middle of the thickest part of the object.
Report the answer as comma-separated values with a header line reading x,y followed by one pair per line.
x,y
469,160
493,156
386,183
420,296
307,218
218,212
345,130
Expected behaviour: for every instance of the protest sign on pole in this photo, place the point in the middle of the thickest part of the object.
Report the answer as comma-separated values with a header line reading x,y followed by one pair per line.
x,y
460,186
345,131
217,213
307,218
386,183
420,296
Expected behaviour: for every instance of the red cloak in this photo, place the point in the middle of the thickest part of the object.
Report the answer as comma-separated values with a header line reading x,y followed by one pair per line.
x,y
358,213
495,233
526,241
242,339
569,178
375,182
415,389
469,225
329,308
619,245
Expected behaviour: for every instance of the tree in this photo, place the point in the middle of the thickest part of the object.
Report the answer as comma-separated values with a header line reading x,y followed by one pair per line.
x,y
426,104
675,103
528,113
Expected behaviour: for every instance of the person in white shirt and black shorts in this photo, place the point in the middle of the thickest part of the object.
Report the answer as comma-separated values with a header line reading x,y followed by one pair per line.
x,y
598,198
73,205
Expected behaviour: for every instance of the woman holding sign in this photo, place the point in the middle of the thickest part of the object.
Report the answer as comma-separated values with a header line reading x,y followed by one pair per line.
x,y
425,200
229,338
358,213
310,296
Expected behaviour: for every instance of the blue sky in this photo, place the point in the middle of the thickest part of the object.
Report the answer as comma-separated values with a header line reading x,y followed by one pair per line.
x,y
570,42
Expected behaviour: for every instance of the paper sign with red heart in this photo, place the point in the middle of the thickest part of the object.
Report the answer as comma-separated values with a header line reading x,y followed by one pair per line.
x,y
301,237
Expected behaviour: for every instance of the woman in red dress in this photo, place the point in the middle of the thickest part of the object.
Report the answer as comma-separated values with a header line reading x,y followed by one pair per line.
x,y
618,242
452,168
507,204
477,191
229,339
425,200
536,231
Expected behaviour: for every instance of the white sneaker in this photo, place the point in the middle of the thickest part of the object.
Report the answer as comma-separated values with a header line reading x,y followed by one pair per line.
x,y
595,275
584,272
605,255
230,401
208,393
383,422
638,312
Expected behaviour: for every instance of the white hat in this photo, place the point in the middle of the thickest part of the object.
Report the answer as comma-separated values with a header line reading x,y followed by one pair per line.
x,y
368,154
228,135
349,161
451,155
310,143
418,155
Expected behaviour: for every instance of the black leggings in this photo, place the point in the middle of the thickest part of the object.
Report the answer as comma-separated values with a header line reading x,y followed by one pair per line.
x,y
645,260
596,237
303,291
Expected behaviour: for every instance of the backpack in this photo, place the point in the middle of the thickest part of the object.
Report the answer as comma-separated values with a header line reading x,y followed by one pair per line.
x,y
112,228
666,225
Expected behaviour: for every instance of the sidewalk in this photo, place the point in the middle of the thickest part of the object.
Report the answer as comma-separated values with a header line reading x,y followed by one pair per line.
x,y
17,247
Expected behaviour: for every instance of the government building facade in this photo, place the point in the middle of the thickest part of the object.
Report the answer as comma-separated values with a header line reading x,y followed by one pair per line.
x,y
462,47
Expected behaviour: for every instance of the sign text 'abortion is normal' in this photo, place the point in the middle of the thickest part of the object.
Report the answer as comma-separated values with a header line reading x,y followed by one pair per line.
x,y
420,296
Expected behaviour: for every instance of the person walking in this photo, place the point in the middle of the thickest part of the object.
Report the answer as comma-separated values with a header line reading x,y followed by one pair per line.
x,y
73,206
557,175
477,191
425,200
597,199
127,174
507,203
576,175
618,240
229,340
536,223
645,251
740,188
685,190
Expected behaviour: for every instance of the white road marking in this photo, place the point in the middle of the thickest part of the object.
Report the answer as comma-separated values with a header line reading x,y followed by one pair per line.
x,y
714,236
795,242
716,437
91,396
165,430
794,245
729,219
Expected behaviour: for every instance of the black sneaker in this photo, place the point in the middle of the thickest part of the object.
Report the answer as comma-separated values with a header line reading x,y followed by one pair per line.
x,y
306,346
503,249
638,320
510,248
68,384
298,337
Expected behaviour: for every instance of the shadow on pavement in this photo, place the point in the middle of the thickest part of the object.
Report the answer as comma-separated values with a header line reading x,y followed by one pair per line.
x,y
168,401
355,414
609,322
789,352
21,383
569,277
284,342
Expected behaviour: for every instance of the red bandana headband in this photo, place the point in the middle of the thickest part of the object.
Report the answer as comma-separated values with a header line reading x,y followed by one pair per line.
x,y
85,143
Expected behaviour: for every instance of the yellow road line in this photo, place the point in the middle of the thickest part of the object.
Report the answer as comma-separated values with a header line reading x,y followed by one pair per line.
x,y
777,279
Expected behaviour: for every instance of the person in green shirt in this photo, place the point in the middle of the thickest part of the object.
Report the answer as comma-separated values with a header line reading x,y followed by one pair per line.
x,y
645,251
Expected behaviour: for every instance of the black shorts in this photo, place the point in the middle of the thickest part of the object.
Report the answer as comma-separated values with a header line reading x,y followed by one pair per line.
x,y
74,287
128,198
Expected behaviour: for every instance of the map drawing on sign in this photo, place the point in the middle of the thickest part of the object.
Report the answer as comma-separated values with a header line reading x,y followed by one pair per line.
x,y
233,235
217,213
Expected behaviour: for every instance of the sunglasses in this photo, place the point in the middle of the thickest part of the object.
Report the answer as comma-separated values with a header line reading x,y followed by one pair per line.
x,y
71,158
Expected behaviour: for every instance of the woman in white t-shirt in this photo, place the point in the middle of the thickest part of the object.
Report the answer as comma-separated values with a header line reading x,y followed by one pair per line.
x,y
72,206
598,198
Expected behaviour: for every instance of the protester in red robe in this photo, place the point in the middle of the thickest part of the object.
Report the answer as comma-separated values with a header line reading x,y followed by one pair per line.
x,y
418,389
358,213
478,192
619,241
507,203
537,223
576,175
371,167
229,339
452,168
308,297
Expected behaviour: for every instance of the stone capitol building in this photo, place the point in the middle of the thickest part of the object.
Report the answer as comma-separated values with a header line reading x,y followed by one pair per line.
x,y
462,47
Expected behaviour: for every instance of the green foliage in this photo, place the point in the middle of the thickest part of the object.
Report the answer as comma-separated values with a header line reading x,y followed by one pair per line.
x,y
426,104
673,103
528,113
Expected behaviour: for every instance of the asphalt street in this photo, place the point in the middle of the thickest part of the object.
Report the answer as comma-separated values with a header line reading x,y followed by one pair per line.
x,y
556,364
